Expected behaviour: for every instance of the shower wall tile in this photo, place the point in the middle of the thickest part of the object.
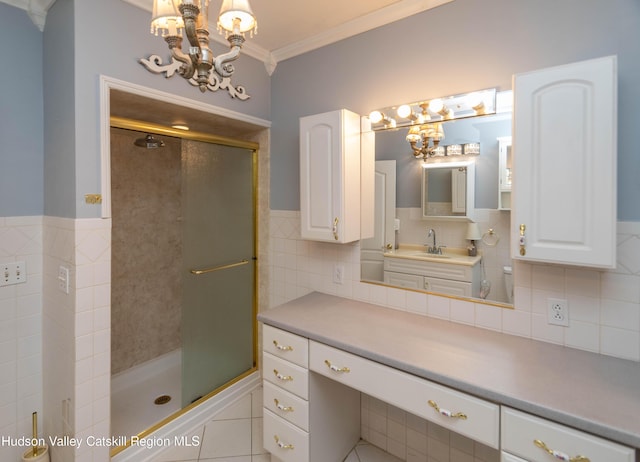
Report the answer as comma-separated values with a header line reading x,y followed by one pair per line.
x,y
21,319
146,248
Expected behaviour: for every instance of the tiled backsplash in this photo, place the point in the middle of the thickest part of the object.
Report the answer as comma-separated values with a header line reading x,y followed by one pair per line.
x,y
604,305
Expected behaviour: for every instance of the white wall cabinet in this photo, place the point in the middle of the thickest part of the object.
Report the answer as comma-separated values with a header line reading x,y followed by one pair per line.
x,y
564,164
330,177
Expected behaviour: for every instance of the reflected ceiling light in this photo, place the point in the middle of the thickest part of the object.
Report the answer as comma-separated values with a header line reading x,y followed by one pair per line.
x,y
181,127
424,140
170,18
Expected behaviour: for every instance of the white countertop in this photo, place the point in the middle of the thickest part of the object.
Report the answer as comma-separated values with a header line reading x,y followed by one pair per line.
x,y
451,256
588,391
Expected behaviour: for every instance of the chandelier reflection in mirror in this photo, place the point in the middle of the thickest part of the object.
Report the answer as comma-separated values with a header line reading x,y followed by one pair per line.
x,y
425,118
170,18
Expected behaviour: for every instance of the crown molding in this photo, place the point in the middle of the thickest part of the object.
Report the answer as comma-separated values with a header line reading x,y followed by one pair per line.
x,y
356,26
36,9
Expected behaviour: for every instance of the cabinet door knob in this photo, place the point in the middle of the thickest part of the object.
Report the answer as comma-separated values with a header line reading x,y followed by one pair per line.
x,y
523,249
335,228
447,413
560,455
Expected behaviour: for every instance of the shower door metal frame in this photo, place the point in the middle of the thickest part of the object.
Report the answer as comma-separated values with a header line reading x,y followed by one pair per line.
x,y
137,125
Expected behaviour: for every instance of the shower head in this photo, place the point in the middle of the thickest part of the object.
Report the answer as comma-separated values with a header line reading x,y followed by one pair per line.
x,y
149,142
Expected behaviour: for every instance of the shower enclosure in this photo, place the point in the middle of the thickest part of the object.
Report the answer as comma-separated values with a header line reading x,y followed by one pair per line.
x,y
183,272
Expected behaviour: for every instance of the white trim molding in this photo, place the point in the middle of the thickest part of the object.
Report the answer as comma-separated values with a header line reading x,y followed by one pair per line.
x,y
36,9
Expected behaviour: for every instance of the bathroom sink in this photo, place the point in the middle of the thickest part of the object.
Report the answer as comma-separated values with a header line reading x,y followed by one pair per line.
x,y
430,255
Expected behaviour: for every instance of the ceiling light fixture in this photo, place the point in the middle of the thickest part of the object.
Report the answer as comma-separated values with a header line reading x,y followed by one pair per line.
x,y
170,18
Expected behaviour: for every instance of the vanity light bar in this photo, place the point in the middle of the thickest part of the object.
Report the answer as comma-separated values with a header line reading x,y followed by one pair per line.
x,y
476,103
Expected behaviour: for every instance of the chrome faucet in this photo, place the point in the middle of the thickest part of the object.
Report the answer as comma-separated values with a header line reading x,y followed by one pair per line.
x,y
434,249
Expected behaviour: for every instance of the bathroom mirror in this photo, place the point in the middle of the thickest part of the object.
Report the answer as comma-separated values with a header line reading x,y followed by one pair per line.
x,y
448,190
412,225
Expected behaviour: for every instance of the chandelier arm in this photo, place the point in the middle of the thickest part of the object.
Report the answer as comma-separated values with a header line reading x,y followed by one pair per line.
x,y
222,64
175,46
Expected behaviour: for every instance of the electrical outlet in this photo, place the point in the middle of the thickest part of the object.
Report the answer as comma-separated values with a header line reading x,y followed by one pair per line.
x,y
13,273
63,279
338,273
558,312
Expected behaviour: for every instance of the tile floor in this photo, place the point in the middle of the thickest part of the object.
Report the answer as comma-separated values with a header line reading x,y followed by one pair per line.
x,y
235,435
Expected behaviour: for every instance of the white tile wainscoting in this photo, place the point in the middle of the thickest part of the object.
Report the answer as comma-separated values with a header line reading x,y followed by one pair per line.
x,y
604,305
60,342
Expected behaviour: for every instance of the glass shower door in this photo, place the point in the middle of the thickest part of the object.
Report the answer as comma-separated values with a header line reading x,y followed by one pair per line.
x,y
218,314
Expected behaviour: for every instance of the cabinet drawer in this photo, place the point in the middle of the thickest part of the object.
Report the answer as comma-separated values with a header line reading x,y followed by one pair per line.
x,y
285,345
449,287
286,375
410,393
286,405
284,440
520,430
426,268
408,281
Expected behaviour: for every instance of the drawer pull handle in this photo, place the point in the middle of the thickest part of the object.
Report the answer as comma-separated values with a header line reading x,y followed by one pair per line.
x,y
281,444
336,368
279,376
281,407
560,455
447,413
282,347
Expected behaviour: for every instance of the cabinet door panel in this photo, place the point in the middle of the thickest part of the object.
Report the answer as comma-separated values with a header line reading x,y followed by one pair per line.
x,y
564,184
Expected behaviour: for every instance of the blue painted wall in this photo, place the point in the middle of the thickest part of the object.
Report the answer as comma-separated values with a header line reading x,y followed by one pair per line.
x,y
21,119
460,46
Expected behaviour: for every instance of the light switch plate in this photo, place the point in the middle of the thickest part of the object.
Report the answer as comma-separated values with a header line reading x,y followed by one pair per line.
x,y
13,273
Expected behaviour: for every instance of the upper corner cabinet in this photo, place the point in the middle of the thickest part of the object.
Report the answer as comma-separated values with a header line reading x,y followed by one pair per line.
x,y
330,176
564,164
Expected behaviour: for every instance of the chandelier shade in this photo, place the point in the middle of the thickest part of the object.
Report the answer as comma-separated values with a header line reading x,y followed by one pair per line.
x,y
236,17
197,64
166,19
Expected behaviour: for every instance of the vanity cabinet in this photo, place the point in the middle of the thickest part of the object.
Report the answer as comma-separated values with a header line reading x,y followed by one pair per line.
x,y
564,164
330,180
539,440
297,404
462,280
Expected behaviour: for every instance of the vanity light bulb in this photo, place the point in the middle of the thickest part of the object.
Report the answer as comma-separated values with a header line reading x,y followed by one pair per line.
x,y
376,116
404,111
436,105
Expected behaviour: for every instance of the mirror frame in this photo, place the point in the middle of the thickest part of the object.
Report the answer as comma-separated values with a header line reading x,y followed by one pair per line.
x,y
470,184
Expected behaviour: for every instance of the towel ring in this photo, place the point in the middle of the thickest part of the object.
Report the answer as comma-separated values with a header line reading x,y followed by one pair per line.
x,y
490,238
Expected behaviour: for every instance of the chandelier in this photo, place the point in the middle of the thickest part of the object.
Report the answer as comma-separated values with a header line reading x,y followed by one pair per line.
x,y
171,18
